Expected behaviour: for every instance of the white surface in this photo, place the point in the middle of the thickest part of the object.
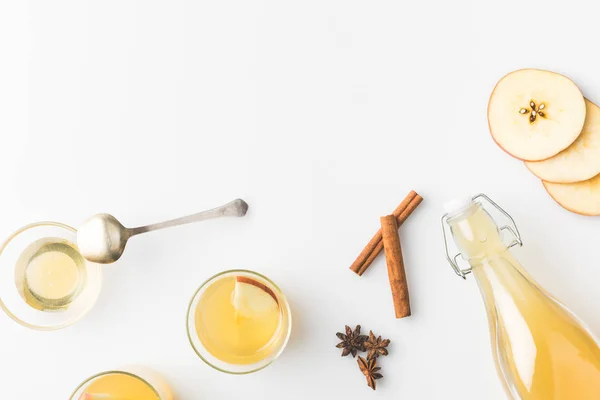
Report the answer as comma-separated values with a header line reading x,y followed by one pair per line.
x,y
322,115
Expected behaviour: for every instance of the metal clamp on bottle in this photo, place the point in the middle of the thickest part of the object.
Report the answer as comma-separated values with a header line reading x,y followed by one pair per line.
x,y
511,228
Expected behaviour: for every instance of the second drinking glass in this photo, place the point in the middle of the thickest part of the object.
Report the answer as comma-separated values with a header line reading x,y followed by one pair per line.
x,y
239,321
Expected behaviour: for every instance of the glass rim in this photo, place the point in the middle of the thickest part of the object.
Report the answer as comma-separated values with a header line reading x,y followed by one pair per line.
x,y
270,282
113,372
3,306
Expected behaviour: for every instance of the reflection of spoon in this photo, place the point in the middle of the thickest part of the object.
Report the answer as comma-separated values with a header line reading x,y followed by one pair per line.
x,y
102,238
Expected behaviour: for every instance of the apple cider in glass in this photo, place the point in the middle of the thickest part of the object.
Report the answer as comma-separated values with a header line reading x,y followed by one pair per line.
x,y
239,322
134,384
119,386
45,283
50,274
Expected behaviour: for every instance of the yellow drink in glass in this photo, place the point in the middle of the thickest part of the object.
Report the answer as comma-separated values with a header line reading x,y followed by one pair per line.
x,y
239,321
134,384
50,274
119,386
45,283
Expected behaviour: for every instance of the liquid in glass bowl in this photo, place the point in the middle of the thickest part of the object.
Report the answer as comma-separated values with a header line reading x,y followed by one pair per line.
x,y
45,283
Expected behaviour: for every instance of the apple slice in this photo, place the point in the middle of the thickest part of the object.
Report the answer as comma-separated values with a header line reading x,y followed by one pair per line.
x,y
96,396
581,160
535,114
580,197
252,298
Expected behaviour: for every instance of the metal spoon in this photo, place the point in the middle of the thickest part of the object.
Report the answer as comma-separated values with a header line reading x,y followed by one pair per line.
x,y
102,238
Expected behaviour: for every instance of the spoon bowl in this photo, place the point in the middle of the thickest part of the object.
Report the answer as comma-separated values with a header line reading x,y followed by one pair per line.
x,y
102,239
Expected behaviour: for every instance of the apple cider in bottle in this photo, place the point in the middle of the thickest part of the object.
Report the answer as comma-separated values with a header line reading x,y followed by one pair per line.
x,y
542,351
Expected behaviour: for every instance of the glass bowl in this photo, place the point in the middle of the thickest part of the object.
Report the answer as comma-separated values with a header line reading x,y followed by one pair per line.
x,y
12,301
144,375
281,338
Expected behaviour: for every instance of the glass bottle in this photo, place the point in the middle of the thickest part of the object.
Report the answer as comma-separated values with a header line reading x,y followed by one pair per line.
x,y
541,350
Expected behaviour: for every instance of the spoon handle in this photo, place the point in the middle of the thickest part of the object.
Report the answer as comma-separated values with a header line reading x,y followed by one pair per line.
x,y
236,208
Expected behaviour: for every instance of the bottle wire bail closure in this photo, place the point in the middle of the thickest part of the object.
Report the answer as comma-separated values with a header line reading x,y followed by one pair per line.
x,y
511,227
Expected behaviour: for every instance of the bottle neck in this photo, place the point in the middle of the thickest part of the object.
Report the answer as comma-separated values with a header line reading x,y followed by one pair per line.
x,y
497,272
476,235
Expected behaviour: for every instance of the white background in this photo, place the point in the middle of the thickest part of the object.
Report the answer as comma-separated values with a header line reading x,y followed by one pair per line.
x,y
322,115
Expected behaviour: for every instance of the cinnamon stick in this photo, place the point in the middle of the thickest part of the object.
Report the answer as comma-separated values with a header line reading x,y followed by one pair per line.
x,y
375,245
395,266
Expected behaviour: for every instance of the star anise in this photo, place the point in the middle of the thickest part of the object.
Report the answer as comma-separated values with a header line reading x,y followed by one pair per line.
x,y
370,369
376,346
352,342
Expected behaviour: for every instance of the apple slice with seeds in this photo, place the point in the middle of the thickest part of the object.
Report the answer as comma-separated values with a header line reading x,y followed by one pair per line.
x,y
580,197
581,160
535,114
252,298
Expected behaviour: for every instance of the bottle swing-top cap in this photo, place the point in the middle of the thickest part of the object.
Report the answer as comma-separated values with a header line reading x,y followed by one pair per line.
x,y
457,205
